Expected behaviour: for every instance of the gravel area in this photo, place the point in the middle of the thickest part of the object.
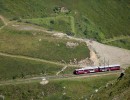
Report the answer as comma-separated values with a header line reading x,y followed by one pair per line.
x,y
110,54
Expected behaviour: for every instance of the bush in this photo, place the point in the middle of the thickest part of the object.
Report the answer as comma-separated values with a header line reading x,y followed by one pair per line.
x,y
15,18
52,21
70,33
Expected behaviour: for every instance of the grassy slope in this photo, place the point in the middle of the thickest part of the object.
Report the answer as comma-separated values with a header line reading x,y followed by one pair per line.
x,y
119,90
96,19
48,48
12,68
74,89
123,43
60,23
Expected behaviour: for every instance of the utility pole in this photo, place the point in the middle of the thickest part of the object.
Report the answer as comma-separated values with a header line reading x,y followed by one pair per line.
x,y
104,61
108,63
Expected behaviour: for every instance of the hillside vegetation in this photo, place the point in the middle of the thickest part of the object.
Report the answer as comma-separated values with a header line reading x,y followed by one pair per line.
x,y
122,43
1,23
41,45
64,89
101,19
119,90
13,68
60,23
31,48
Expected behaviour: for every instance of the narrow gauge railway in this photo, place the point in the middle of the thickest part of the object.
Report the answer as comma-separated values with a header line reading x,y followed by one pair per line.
x,y
96,69
59,77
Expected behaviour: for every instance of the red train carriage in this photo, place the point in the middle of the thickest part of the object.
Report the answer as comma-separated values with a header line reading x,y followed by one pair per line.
x,y
115,67
86,70
95,69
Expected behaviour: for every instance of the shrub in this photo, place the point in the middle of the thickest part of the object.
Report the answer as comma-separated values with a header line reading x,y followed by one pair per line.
x,y
52,21
70,33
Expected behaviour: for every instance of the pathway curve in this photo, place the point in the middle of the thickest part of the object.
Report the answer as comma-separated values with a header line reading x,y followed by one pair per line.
x,y
61,70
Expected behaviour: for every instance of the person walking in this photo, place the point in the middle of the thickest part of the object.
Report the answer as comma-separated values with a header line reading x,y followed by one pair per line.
x,y
121,75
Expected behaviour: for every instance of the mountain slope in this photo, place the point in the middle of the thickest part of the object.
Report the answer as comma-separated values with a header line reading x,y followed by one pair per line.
x,y
101,19
118,90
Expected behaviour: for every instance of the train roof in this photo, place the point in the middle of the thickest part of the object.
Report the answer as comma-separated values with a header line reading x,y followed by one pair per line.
x,y
93,67
109,66
85,68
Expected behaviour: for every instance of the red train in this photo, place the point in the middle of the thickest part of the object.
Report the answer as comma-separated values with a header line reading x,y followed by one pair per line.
x,y
95,69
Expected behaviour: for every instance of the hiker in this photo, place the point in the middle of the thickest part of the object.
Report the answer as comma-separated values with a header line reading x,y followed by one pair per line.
x,y
121,75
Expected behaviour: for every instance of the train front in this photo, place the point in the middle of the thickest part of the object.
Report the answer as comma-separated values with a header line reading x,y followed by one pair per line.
x,y
75,72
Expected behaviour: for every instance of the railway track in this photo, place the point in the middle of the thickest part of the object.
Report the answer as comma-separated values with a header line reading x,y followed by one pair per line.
x,y
59,77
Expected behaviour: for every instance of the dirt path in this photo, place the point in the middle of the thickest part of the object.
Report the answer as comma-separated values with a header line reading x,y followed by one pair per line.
x,y
116,38
61,70
4,20
35,59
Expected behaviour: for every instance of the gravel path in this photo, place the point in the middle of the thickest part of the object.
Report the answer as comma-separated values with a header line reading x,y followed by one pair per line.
x,y
110,54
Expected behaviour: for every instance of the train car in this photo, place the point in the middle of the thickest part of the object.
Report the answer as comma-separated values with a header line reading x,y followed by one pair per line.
x,y
103,68
114,67
78,71
109,68
86,70
96,69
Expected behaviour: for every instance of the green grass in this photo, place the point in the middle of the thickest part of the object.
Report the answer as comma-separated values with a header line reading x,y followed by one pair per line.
x,y
123,43
12,68
72,21
75,89
116,39
119,90
48,48
59,23
100,20
68,70
1,23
